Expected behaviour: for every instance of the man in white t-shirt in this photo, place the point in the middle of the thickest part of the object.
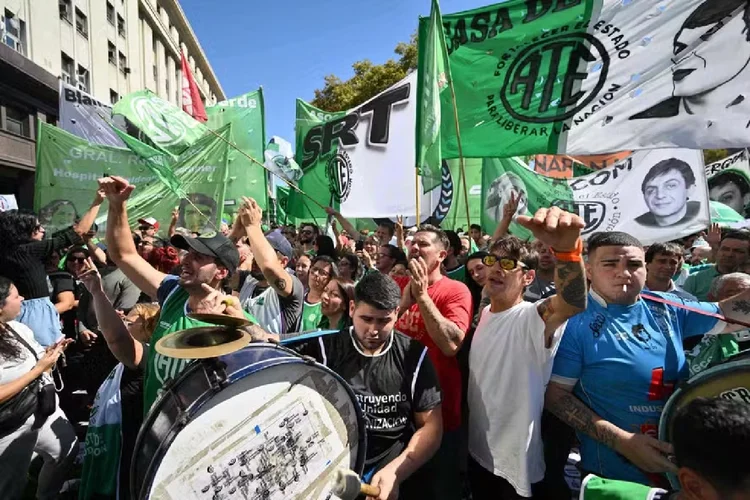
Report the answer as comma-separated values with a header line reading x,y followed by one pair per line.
x,y
511,356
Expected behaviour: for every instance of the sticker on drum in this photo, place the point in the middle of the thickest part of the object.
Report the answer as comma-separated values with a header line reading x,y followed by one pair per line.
x,y
280,430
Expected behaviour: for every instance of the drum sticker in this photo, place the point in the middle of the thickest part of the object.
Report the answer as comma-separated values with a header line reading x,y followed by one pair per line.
x,y
280,450
737,394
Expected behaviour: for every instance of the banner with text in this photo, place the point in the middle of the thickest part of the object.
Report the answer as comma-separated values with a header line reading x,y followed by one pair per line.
x,y
672,199
564,167
362,161
729,182
86,117
589,76
68,169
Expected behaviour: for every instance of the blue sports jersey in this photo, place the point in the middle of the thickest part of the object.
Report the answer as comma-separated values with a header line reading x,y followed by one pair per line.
x,y
624,362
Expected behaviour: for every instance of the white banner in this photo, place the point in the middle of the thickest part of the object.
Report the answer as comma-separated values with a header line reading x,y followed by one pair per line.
x,y
729,182
8,202
86,117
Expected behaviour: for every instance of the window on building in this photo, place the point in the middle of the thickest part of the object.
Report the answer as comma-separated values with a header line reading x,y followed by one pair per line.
x,y
82,24
82,78
111,13
121,25
67,68
112,53
166,83
66,11
113,97
156,73
14,32
17,121
123,64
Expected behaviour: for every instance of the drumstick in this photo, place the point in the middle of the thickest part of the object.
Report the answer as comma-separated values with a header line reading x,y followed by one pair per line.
x,y
348,486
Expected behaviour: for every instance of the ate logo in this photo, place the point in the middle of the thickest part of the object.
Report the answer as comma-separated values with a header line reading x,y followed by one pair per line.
x,y
592,212
543,83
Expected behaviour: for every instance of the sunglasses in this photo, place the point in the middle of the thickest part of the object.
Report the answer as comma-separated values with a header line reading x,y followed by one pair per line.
x,y
506,263
80,260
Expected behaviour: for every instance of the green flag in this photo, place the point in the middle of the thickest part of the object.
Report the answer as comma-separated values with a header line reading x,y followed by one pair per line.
x,y
157,161
246,114
162,123
434,79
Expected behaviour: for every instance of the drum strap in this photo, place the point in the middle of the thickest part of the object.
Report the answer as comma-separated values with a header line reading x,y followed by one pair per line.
x,y
695,310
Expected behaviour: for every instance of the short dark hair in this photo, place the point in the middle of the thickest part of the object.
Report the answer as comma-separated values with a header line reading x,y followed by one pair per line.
x,y
665,166
736,235
671,249
379,291
476,226
395,252
438,233
327,260
612,239
513,247
712,437
726,177
454,241
388,226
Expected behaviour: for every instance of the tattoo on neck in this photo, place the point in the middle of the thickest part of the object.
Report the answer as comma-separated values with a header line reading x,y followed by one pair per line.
x,y
573,283
742,306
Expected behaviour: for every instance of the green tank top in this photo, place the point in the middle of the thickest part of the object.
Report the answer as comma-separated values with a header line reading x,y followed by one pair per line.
x,y
160,368
597,488
311,315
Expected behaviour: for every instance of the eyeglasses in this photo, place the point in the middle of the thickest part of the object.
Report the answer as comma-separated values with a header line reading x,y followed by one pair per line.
x,y
320,272
80,260
506,263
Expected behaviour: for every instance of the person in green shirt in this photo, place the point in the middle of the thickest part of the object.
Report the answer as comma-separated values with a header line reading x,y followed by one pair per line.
x,y
733,252
711,439
323,269
334,305
210,258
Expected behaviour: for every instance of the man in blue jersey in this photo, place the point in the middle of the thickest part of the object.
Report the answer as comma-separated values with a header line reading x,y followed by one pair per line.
x,y
618,362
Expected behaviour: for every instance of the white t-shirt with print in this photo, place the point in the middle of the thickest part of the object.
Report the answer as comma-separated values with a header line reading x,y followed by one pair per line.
x,y
509,368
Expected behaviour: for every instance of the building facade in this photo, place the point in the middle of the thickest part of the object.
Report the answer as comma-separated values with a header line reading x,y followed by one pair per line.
x,y
107,48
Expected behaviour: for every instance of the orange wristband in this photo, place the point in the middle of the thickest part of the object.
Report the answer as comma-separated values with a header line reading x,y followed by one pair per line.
x,y
572,256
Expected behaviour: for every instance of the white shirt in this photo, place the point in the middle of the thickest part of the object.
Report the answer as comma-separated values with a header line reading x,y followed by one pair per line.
x,y
12,369
509,368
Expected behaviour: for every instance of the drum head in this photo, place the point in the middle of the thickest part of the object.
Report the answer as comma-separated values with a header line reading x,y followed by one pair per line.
x,y
278,432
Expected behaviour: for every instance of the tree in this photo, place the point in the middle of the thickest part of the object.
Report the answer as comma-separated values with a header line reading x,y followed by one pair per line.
x,y
368,81
712,155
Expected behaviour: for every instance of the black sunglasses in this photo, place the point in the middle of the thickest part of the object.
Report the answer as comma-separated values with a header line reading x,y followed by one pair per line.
x,y
506,263
80,260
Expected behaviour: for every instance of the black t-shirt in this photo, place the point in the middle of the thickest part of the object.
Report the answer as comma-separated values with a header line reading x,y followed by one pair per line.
x,y
390,387
63,281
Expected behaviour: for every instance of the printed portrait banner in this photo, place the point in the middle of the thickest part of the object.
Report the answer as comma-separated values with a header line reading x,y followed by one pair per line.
x,y
655,195
362,161
68,168
86,117
246,115
590,76
729,182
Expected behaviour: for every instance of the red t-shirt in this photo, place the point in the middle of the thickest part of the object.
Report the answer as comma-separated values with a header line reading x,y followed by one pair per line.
x,y
453,300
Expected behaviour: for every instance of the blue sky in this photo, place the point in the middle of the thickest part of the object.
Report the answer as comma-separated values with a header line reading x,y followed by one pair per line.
x,y
288,46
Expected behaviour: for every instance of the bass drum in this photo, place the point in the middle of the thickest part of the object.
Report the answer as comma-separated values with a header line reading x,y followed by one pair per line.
x,y
260,423
729,380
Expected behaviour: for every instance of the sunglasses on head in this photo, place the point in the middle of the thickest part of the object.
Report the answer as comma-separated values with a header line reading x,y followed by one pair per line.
x,y
506,263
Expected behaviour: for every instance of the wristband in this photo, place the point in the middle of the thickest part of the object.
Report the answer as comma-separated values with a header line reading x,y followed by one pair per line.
x,y
575,255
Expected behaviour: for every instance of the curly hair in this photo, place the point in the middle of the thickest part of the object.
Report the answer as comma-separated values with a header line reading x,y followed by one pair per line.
x,y
9,348
164,258
16,228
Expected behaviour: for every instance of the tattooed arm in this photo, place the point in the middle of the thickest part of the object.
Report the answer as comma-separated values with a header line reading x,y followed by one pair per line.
x,y
570,283
643,451
737,307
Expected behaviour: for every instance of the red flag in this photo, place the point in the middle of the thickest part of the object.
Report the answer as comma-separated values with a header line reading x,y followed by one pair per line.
x,y
191,98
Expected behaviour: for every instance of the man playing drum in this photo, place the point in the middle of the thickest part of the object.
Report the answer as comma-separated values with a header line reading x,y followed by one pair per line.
x,y
395,384
211,257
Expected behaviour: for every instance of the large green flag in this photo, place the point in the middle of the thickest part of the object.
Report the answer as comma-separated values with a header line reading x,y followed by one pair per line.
x,y
246,114
434,79
68,168
165,125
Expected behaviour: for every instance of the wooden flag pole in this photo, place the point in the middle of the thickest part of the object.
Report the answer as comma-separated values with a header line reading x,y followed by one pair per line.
x,y
416,191
460,153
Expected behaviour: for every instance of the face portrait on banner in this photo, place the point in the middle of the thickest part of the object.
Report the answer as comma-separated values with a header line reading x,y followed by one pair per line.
x,y
500,192
666,190
732,189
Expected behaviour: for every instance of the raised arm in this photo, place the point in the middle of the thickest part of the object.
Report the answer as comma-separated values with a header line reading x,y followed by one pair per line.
x,y
398,228
120,240
172,230
84,225
345,224
561,231
265,256
124,347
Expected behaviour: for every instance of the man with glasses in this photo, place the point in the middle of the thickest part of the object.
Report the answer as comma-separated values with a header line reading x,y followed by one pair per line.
x,y
308,232
389,256
511,355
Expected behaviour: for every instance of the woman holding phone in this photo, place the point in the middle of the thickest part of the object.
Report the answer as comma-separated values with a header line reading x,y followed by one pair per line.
x,y
31,420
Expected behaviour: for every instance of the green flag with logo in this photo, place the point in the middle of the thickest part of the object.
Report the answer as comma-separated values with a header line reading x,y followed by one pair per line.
x,y
151,118
434,79
68,168
246,114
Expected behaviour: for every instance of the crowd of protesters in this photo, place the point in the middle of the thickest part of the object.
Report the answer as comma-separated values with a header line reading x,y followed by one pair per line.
x,y
510,353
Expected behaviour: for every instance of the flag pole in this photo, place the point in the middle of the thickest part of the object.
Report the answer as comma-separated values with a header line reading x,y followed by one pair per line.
x,y
416,192
461,161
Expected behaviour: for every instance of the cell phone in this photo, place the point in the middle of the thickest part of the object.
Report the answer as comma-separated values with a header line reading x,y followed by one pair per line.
x,y
359,245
